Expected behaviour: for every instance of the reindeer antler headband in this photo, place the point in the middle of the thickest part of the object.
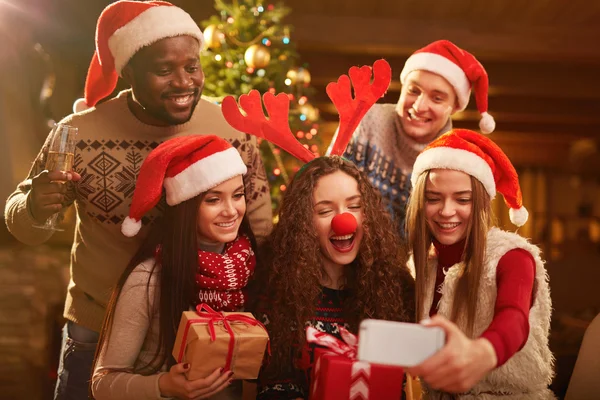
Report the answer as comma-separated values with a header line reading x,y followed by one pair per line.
x,y
276,127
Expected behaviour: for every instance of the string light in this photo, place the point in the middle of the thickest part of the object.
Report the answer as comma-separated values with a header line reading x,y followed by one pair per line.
x,y
286,40
309,136
313,131
229,64
260,9
282,188
261,72
230,20
218,57
277,172
302,117
302,100
288,81
300,134
250,70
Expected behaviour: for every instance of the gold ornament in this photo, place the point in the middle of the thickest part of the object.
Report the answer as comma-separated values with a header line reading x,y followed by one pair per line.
x,y
311,112
257,56
212,37
303,76
299,76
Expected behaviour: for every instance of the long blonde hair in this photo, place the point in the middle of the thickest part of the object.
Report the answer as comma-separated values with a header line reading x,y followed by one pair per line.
x,y
419,243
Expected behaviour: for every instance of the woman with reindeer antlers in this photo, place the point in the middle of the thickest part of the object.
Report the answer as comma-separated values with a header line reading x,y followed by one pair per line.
x,y
334,258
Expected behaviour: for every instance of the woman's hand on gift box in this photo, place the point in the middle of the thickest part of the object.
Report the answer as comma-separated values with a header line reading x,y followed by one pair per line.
x,y
460,364
175,384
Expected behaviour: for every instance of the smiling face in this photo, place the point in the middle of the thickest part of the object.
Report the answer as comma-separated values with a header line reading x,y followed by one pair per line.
x,y
448,204
426,102
221,211
335,194
167,80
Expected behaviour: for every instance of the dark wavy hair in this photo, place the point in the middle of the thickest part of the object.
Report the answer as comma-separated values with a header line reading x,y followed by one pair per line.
x,y
378,283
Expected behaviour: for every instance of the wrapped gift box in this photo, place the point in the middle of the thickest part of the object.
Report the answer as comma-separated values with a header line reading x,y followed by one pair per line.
x,y
208,340
337,377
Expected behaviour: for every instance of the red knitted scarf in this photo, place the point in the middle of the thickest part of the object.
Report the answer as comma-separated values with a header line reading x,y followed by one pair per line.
x,y
222,277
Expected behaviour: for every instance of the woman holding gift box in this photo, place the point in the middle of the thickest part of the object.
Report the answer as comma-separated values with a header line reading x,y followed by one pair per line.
x,y
490,283
200,252
334,257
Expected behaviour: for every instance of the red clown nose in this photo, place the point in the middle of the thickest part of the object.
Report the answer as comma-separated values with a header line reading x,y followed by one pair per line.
x,y
344,224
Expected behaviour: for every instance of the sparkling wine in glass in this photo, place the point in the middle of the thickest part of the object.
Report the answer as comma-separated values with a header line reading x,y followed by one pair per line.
x,y
60,158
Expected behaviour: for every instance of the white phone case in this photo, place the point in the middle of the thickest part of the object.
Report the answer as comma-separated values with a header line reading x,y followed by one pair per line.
x,y
398,343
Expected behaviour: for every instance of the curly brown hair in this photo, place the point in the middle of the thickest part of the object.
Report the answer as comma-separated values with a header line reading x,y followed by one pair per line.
x,y
378,283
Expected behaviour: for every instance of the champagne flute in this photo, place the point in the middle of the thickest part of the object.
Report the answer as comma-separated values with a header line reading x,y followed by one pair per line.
x,y
60,158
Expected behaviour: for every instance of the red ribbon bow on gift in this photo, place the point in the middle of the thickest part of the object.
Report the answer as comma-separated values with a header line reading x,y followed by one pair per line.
x,y
346,347
210,317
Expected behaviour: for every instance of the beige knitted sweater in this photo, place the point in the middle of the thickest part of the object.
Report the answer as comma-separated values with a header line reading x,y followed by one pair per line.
x,y
111,147
119,372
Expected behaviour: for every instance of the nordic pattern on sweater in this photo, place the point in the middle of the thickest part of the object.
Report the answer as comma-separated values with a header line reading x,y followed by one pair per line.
x,y
295,382
111,147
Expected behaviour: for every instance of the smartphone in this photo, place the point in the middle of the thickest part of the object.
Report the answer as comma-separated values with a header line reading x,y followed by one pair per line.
x,y
398,343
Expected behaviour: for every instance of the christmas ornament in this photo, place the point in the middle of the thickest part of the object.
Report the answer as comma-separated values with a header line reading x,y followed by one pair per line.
x,y
212,37
299,76
311,112
257,56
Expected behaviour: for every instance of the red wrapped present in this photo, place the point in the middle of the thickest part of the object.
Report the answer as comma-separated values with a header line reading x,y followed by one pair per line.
x,y
338,375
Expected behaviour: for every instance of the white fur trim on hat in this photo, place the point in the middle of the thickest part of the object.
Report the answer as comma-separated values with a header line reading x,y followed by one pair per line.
x,y
130,227
487,123
444,67
518,216
150,26
458,160
203,175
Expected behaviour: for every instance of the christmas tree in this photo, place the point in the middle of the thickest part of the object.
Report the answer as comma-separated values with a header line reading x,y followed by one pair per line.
x,y
247,47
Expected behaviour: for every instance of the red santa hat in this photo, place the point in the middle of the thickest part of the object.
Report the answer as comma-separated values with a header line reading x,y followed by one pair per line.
x,y
476,155
461,69
186,166
124,27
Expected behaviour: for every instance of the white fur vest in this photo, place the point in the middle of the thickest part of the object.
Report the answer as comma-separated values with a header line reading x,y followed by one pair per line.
x,y
527,374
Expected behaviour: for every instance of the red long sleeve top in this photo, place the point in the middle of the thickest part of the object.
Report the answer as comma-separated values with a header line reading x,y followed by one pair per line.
x,y
515,276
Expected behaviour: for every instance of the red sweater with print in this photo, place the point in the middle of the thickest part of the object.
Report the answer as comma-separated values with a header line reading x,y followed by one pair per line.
x,y
515,276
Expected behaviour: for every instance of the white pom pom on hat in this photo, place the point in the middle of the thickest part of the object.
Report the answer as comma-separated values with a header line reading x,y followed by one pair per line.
x,y
131,227
487,123
80,105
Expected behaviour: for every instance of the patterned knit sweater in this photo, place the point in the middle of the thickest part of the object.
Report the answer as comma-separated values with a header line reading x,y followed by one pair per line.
x,y
381,149
293,383
111,147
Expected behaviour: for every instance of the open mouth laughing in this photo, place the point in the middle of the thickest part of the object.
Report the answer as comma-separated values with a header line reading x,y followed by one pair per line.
x,y
344,243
